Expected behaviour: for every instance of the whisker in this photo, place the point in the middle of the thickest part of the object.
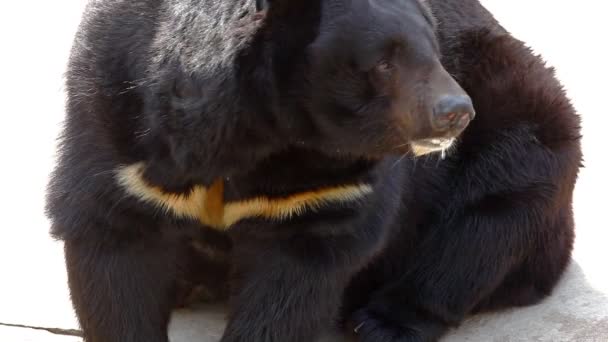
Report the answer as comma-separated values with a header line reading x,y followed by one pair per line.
x,y
401,145
399,160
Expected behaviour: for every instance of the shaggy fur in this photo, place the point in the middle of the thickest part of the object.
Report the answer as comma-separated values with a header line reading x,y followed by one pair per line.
x,y
253,150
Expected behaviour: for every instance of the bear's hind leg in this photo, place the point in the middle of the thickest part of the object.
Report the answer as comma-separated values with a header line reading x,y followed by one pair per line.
x,y
539,274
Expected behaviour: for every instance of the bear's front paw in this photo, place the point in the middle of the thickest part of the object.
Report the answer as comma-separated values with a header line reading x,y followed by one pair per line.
x,y
371,325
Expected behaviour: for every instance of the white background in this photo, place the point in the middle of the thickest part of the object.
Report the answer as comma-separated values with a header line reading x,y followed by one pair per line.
x,y
35,38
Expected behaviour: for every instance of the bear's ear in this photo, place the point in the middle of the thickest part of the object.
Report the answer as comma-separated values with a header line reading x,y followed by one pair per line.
x,y
289,8
288,27
261,5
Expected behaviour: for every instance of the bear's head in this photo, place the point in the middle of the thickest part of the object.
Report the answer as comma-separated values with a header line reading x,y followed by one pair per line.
x,y
351,79
364,78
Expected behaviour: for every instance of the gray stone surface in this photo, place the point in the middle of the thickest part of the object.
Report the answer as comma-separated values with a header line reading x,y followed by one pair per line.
x,y
33,289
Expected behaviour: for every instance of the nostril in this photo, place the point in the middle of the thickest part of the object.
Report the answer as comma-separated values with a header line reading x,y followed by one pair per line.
x,y
453,112
464,120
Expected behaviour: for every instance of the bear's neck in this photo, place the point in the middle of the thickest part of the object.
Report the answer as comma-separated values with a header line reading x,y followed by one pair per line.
x,y
284,186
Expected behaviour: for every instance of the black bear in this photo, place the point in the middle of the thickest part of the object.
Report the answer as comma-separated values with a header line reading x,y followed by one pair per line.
x,y
240,148
489,224
260,150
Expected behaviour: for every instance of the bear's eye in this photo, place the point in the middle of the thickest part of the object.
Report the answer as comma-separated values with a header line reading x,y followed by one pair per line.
x,y
382,76
384,67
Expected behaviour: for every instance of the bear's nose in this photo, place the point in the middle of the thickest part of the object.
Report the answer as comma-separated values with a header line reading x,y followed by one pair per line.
x,y
453,112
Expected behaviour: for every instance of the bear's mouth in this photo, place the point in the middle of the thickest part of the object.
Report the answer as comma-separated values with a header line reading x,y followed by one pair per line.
x,y
426,146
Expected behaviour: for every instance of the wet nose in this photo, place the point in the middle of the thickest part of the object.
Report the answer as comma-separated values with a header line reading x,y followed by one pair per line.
x,y
453,112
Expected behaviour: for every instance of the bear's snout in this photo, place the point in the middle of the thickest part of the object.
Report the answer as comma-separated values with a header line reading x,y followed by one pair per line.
x,y
452,113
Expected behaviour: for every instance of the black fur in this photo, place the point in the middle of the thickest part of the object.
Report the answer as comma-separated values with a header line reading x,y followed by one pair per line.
x,y
491,226
304,95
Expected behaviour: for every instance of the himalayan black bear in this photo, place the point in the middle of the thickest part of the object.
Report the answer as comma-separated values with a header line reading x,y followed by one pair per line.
x,y
489,223
270,153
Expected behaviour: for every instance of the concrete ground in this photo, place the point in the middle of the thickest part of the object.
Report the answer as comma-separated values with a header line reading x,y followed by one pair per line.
x,y
35,38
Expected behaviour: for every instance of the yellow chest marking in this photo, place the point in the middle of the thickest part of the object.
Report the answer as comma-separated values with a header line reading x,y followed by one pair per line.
x,y
207,205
